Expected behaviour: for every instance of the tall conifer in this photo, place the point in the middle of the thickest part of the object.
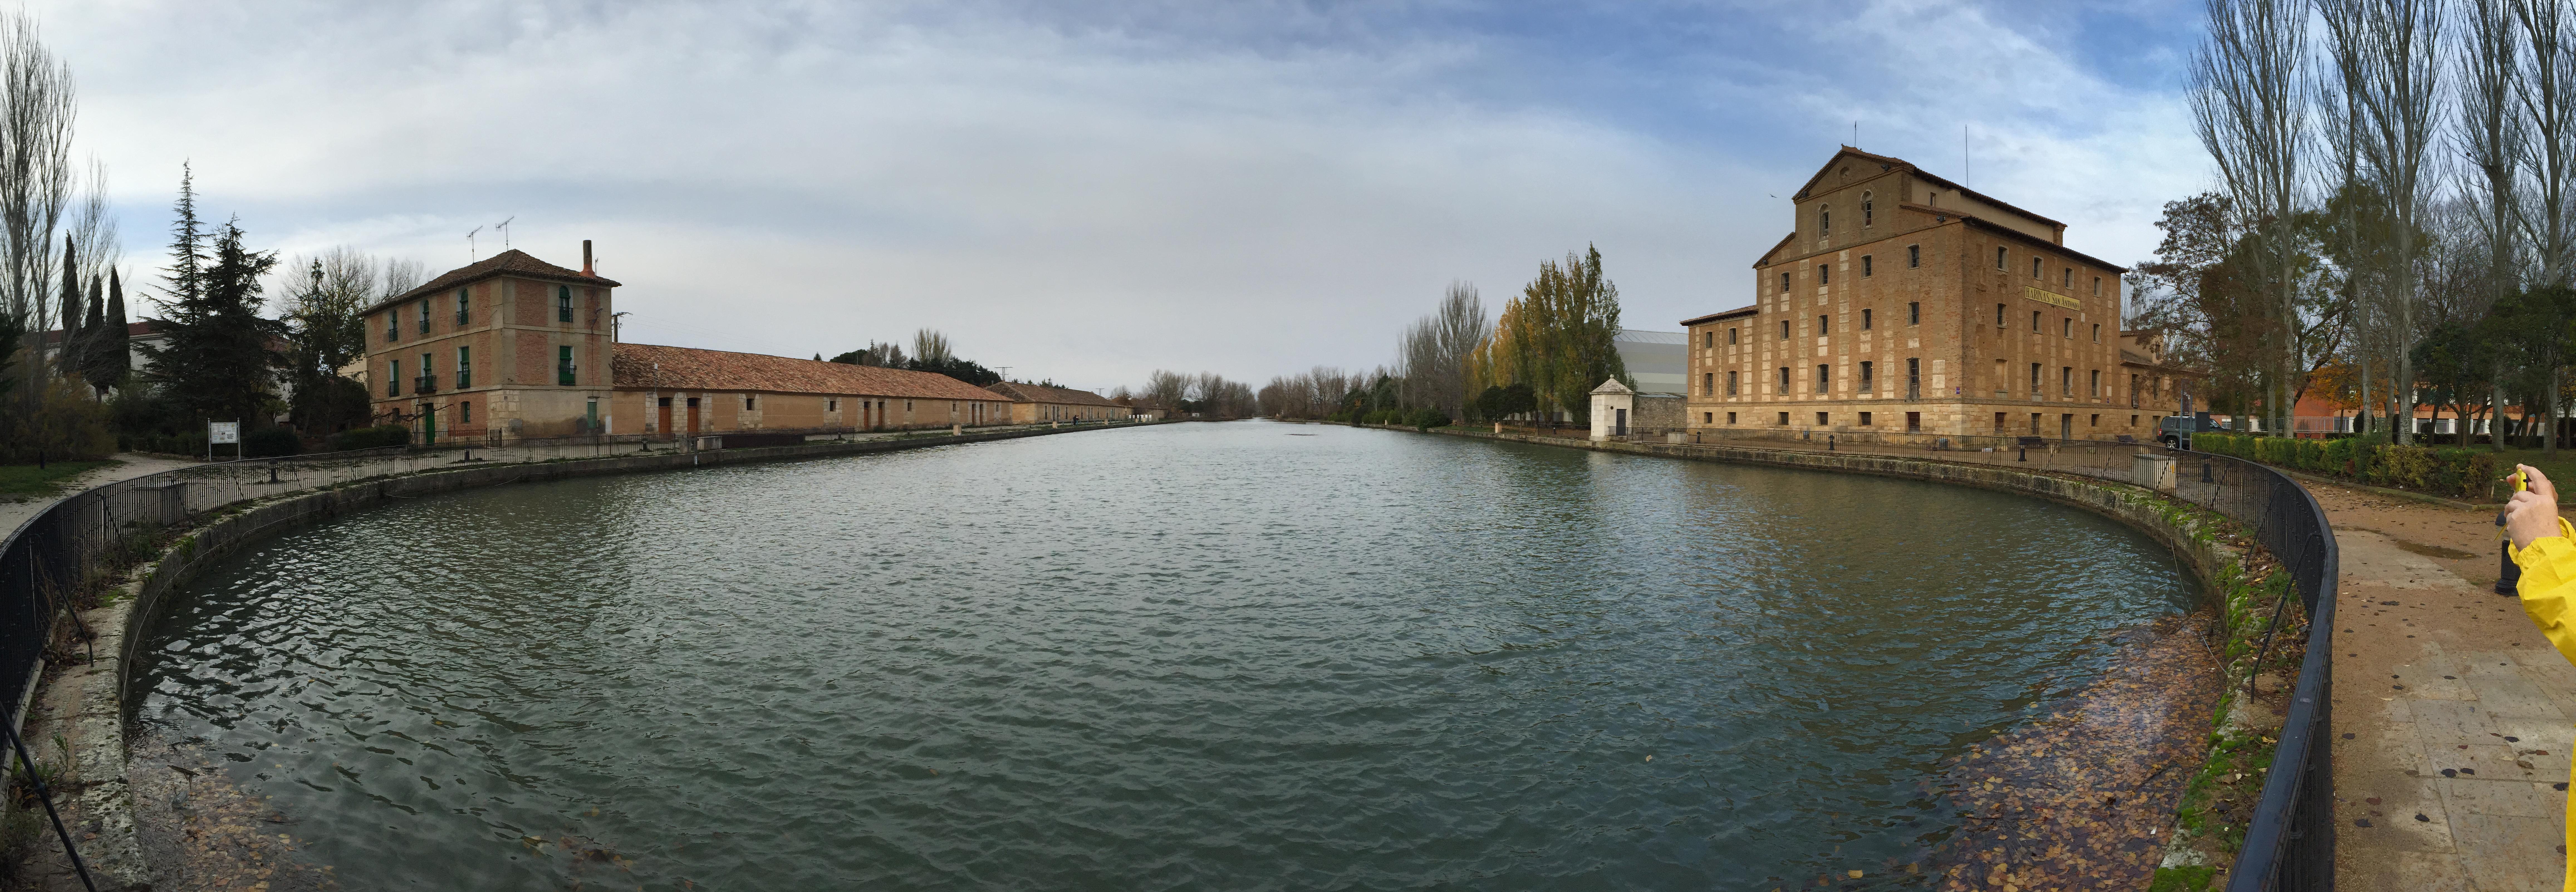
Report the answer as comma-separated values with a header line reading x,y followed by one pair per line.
x,y
109,361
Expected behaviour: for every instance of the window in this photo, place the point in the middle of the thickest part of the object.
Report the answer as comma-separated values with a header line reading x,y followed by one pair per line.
x,y
1999,317
393,378
1824,221
2097,420
1708,338
2097,332
1784,283
2066,380
1824,376
563,303
1824,325
1914,379
464,367
1784,419
1865,320
2097,384
1999,422
2034,382
2133,393
2034,320
750,403
2067,280
2066,327
1820,419
465,413
2034,267
393,326
1730,384
461,300
1999,258
428,376
563,366
1913,256
1824,274
1708,383
831,405
1914,313
1730,337
1865,214
1913,422
1707,417
1864,419
1867,370
424,315
2097,286
1784,329
1730,418
1864,266
1784,384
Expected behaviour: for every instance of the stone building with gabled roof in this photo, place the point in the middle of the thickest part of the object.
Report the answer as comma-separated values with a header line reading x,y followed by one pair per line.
x,y
509,345
665,391
1035,403
1903,303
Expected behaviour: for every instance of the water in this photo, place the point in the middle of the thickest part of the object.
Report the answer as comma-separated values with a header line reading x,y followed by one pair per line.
x,y
1240,656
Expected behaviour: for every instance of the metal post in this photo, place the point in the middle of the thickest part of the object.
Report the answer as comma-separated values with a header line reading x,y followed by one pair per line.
x,y
48,798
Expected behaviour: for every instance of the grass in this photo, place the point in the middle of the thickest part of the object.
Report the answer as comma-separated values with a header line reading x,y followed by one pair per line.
x,y
2561,470
29,480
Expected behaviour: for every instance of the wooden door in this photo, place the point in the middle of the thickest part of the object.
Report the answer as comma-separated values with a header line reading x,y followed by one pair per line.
x,y
665,426
693,415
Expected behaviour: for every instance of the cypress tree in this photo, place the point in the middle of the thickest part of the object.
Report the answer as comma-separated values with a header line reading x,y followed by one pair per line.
x,y
110,359
93,335
67,357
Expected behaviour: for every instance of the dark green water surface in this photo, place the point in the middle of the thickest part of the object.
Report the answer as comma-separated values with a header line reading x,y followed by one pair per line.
x,y
1199,656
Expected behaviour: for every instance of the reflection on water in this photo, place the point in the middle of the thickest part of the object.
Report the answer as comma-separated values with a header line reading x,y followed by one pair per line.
x,y
1187,656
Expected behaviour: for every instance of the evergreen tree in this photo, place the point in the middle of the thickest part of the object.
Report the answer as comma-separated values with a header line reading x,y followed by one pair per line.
x,y
108,360
67,357
215,364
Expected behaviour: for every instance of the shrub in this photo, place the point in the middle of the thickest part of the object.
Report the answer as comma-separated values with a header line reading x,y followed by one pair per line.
x,y
1426,419
271,441
66,424
371,438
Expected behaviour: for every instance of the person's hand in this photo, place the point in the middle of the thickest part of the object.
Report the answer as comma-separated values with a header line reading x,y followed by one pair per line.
x,y
2532,515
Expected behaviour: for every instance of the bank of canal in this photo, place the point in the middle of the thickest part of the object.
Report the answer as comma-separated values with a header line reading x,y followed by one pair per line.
x,y
1240,656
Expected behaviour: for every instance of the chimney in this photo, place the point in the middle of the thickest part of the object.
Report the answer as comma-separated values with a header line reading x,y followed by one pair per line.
x,y
585,258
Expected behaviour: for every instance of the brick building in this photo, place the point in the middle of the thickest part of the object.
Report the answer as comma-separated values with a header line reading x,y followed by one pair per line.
x,y
666,390
1035,403
1901,302
510,344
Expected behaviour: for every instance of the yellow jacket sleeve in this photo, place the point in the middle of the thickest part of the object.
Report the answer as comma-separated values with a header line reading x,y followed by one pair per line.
x,y
2548,586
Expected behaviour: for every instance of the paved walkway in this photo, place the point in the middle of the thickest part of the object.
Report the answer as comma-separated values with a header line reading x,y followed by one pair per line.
x,y
2452,715
128,467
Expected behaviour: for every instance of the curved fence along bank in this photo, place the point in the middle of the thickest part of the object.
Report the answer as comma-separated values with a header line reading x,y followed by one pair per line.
x,y
2289,844
52,560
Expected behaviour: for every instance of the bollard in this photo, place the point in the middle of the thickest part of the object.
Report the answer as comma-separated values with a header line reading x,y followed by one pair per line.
x,y
272,476
1829,442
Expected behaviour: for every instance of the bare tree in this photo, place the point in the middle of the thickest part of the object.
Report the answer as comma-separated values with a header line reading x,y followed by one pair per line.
x,y
2548,93
2396,89
2490,142
2249,107
402,275
1165,390
37,107
928,345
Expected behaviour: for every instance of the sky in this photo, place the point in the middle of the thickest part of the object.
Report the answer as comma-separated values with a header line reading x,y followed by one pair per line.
x,y
1084,193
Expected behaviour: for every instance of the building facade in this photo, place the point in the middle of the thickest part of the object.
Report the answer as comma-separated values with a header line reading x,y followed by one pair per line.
x,y
1903,303
670,391
509,345
1039,403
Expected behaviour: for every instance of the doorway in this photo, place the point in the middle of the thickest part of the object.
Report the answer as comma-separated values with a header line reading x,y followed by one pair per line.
x,y
665,427
2066,427
693,415
1620,427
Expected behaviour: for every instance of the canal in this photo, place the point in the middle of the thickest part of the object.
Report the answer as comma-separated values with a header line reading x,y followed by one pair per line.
x,y
1242,656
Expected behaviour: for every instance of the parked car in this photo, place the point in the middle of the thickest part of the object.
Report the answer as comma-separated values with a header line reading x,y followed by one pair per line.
x,y
2175,431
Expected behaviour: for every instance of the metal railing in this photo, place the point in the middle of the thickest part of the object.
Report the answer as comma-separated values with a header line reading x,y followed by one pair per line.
x,y
2289,843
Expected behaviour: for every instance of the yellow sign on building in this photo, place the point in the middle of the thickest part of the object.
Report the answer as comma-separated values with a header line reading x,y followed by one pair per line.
x,y
2051,298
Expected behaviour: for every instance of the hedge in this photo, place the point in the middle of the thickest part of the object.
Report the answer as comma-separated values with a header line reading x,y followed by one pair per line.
x,y
2446,471
371,438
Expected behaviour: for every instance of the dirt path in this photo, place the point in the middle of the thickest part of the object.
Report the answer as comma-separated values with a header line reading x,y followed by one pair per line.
x,y
2451,713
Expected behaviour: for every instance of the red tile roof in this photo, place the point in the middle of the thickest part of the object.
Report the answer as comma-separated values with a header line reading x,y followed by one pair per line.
x,y
688,368
513,262
1041,393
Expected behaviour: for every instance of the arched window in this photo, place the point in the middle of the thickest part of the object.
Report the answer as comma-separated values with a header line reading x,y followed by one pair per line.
x,y
1825,220
1867,211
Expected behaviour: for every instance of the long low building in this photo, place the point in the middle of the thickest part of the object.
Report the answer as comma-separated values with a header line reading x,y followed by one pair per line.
x,y
1035,403
667,390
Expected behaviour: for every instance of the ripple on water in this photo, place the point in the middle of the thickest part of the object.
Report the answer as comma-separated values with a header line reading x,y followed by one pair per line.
x,y
1186,656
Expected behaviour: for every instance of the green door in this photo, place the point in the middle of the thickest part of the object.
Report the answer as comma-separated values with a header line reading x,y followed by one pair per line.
x,y
429,424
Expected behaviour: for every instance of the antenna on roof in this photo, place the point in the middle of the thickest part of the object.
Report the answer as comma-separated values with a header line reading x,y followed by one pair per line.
x,y
1967,172
504,226
470,255
1855,133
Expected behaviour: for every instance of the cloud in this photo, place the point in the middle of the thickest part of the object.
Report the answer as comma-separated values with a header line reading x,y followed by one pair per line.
x,y
1079,193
